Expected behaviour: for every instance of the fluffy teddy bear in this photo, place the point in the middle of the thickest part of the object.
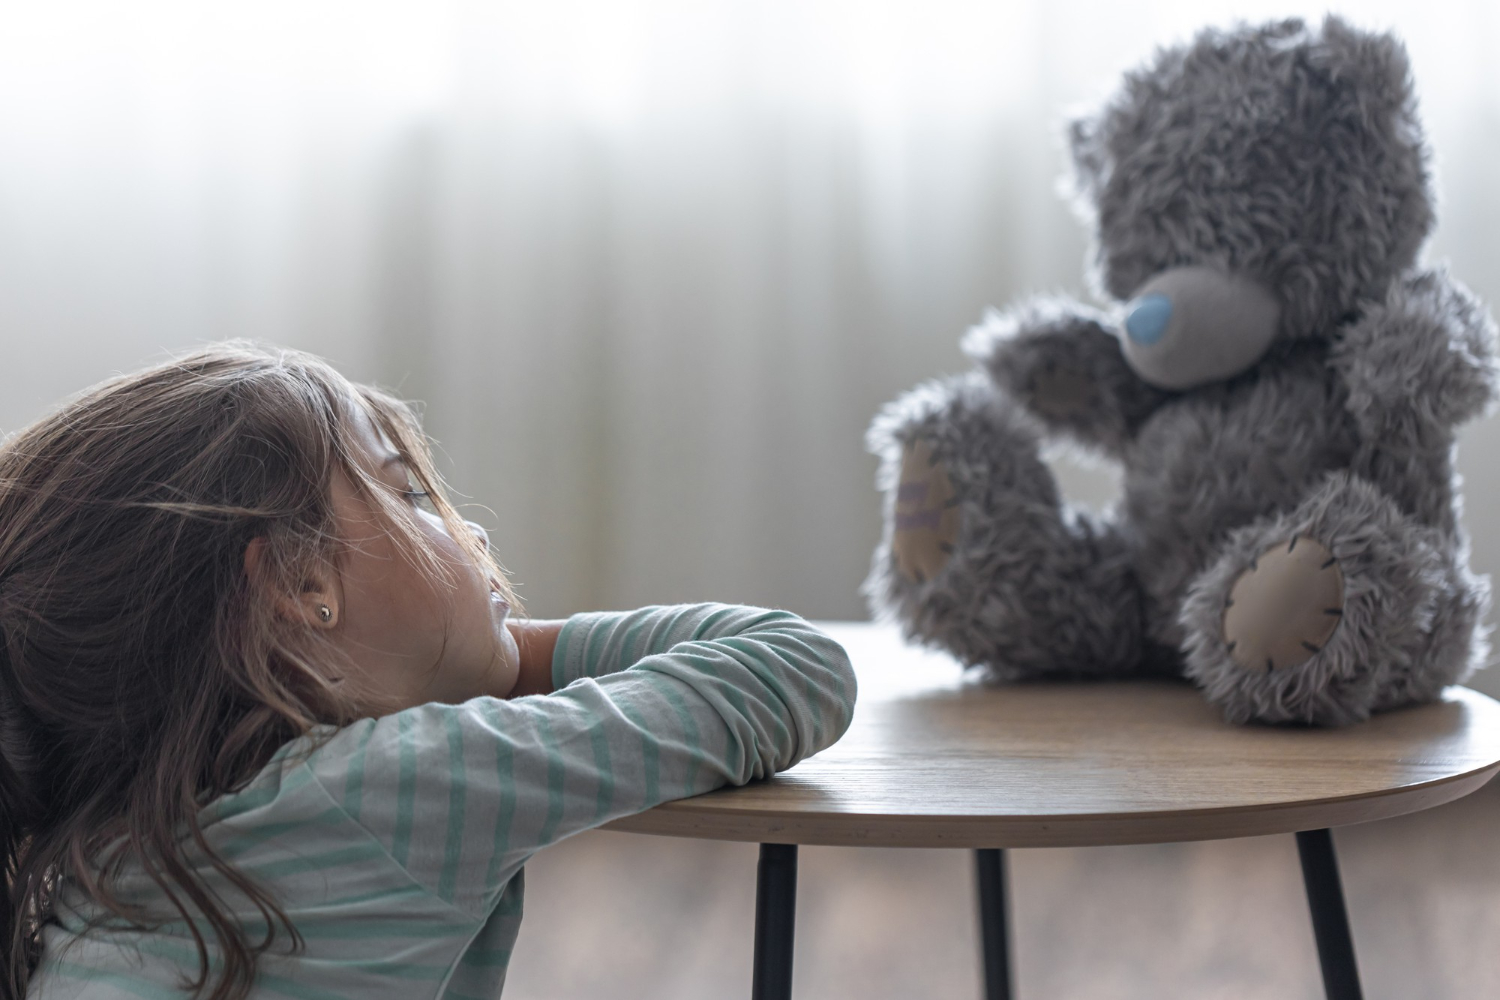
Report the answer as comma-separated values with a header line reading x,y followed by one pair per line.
x,y
1277,377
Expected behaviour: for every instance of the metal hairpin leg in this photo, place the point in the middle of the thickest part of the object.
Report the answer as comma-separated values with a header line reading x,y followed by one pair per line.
x,y
775,921
994,925
1325,897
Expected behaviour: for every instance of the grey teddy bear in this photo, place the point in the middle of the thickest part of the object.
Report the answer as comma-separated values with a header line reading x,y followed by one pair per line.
x,y
1277,377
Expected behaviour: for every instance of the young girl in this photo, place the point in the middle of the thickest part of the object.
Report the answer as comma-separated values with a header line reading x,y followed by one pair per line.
x,y
261,724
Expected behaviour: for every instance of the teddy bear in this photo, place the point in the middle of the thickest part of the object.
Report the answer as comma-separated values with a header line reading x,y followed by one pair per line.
x,y
1276,375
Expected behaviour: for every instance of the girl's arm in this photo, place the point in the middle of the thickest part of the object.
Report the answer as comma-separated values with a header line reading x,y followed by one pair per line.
x,y
650,705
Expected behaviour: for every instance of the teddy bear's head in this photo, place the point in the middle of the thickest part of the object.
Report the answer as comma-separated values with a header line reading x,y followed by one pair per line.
x,y
1255,184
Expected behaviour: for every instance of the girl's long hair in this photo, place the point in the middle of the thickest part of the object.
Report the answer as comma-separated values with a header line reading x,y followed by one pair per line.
x,y
142,671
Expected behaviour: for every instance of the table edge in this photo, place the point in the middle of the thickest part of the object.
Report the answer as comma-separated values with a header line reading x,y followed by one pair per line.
x,y
676,819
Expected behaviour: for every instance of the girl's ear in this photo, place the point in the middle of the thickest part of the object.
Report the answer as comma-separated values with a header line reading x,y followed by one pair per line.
x,y
316,604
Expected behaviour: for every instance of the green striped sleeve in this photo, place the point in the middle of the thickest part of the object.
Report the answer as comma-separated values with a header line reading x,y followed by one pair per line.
x,y
652,705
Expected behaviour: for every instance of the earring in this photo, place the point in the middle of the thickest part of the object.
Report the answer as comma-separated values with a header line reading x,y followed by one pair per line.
x,y
325,613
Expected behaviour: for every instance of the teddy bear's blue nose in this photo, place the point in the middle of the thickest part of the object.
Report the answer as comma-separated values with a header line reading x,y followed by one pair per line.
x,y
1148,318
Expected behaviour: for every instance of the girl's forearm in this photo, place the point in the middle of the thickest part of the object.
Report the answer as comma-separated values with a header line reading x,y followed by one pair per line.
x,y
536,641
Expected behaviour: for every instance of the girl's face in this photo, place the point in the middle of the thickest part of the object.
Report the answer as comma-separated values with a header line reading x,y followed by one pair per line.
x,y
412,638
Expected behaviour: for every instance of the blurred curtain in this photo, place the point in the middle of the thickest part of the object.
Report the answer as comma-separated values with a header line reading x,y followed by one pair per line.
x,y
650,267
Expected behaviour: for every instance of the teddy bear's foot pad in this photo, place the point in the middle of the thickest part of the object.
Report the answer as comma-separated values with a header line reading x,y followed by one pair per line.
x,y
926,522
1284,608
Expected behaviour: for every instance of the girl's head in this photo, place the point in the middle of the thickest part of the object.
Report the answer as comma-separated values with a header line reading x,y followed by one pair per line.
x,y
198,563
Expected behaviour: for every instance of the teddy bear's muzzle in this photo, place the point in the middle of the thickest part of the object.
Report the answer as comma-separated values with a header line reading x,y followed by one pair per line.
x,y
1190,326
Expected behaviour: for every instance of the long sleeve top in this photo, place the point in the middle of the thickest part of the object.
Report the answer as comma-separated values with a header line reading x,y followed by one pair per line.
x,y
396,844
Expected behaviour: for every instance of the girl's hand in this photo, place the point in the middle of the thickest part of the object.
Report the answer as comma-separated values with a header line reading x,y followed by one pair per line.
x,y
535,640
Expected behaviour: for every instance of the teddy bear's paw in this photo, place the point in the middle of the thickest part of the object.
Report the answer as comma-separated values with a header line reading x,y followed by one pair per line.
x,y
1269,631
1285,607
926,522
1058,392
1326,612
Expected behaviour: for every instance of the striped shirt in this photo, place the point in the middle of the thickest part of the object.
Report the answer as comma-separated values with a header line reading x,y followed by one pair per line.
x,y
396,845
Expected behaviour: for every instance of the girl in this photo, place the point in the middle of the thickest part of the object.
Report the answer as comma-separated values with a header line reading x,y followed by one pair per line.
x,y
262,725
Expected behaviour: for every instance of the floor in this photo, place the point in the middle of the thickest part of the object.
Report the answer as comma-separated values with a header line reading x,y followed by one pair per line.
x,y
622,916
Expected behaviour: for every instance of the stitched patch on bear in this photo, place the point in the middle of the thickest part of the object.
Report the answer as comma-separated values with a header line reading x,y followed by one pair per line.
x,y
1285,607
926,522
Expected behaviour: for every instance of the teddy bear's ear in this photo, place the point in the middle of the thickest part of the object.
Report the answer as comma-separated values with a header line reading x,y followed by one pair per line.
x,y
1371,65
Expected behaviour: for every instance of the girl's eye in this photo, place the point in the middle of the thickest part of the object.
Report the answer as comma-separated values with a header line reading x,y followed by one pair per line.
x,y
420,499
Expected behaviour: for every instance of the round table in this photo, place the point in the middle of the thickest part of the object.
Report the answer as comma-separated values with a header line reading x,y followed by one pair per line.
x,y
935,758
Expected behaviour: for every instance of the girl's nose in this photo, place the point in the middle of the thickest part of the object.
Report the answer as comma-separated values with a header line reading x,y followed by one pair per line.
x,y
484,536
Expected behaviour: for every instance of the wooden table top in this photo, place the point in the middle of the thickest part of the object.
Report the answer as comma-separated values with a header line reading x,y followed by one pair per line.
x,y
937,759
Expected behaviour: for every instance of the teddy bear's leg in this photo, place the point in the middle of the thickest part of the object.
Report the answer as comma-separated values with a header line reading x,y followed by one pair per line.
x,y
1325,613
1457,640
980,557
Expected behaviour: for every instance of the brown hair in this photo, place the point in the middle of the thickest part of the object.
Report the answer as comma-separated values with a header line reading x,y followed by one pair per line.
x,y
142,672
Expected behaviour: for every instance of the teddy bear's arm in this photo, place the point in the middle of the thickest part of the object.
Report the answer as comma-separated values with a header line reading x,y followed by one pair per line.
x,y
1419,364
1059,360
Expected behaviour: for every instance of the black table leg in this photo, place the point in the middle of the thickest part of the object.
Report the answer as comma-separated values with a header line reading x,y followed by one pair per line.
x,y
775,921
994,925
1325,897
